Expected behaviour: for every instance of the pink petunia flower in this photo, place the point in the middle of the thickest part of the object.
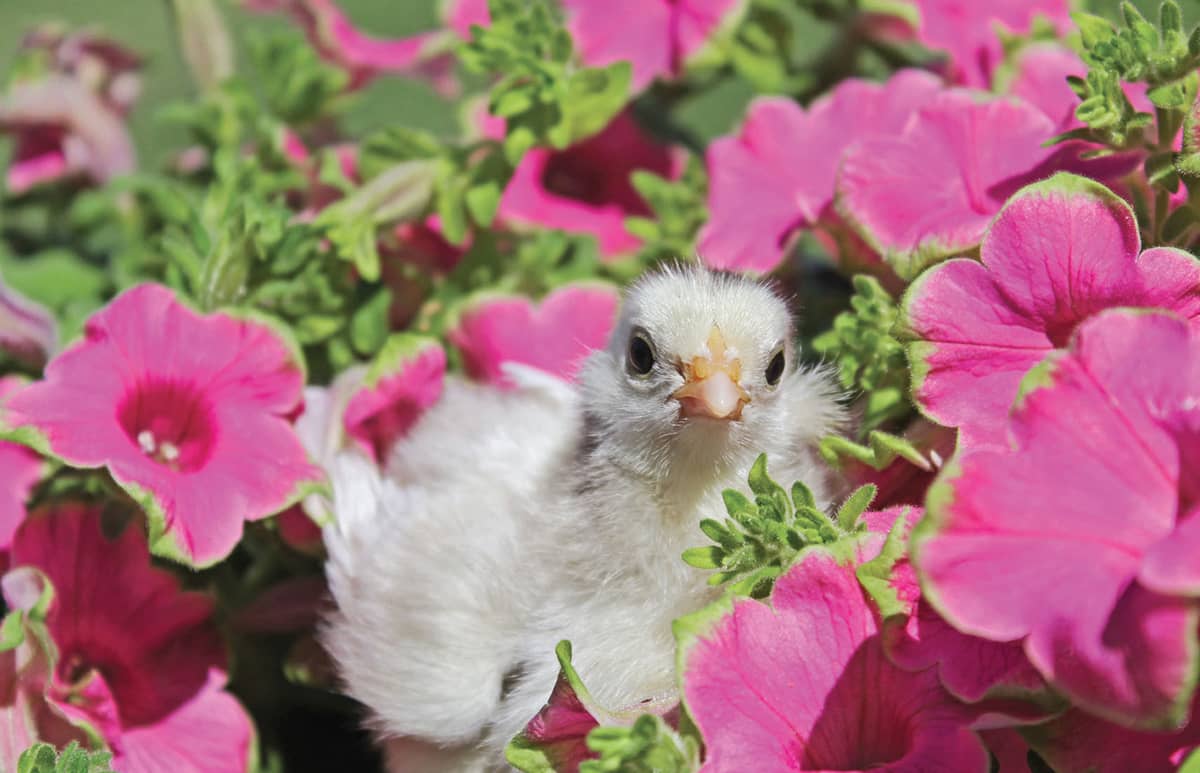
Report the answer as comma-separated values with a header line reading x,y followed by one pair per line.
x,y
1060,251
188,412
404,381
1081,540
135,660
915,637
929,193
777,173
362,56
586,188
804,684
20,469
966,30
555,336
657,37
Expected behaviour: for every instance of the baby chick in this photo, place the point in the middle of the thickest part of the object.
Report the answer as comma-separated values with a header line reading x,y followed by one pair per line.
x,y
507,521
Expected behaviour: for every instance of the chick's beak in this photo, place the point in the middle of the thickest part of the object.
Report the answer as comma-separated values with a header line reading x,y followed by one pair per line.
x,y
711,385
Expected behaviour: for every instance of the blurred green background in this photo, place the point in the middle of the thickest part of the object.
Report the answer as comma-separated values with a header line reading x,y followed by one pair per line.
x,y
145,26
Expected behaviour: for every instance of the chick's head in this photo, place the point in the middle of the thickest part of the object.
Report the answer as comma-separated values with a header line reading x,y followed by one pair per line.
x,y
697,367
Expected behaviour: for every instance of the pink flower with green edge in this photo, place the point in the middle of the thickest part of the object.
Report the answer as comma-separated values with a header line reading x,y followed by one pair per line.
x,y
803,683
929,193
1080,540
135,661
20,469
188,412
1077,741
657,37
777,173
555,336
556,739
966,31
916,638
403,382
360,55
980,325
586,188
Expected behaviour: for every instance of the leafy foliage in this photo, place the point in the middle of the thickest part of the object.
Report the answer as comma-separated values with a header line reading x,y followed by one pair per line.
x,y
759,539
542,96
43,758
649,745
678,212
869,357
1164,57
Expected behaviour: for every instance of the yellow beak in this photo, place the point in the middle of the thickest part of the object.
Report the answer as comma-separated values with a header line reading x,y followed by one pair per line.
x,y
711,385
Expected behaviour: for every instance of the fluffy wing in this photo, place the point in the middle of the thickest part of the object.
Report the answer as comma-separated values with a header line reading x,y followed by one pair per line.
x,y
425,562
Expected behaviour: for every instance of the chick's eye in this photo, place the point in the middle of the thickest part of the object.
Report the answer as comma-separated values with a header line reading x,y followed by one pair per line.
x,y
775,369
641,355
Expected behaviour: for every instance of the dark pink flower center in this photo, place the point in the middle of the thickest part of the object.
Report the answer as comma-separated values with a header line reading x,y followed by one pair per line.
x,y
597,170
171,423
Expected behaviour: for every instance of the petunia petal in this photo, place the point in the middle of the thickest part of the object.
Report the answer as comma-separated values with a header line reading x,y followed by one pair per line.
x,y
405,380
777,173
929,193
210,733
840,707
1059,252
1045,541
555,337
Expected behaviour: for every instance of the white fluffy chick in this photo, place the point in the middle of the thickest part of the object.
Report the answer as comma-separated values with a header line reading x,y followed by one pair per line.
x,y
509,520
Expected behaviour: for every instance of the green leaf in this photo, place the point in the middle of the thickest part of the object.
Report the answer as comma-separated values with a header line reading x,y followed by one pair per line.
x,y
760,482
704,558
855,505
881,450
369,325
384,149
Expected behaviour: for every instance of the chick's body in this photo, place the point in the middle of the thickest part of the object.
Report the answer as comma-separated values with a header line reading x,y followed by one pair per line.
x,y
508,521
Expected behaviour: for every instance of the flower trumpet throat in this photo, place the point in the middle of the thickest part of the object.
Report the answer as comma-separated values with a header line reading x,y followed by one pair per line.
x,y
712,385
